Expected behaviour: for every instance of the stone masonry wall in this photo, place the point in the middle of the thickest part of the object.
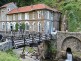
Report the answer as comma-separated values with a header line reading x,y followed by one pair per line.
x,y
69,39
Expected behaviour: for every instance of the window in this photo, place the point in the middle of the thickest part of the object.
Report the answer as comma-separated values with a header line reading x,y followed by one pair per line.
x,y
51,16
3,25
13,16
33,26
8,9
14,23
48,27
27,26
33,15
47,14
42,12
2,17
8,26
7,17
26,16
19,16
39,26
39,14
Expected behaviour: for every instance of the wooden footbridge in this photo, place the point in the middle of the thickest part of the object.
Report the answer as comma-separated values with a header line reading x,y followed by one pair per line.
x,y
28,39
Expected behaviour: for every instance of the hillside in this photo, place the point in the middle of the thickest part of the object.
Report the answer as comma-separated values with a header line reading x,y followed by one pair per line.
x,y
70,8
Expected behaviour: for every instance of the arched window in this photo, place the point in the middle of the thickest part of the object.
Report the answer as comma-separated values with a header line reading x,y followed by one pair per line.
x,y
33,26
8,26
3,25
14,23
27,26
39,26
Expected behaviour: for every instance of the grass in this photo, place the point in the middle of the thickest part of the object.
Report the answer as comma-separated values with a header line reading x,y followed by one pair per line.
x,y
8,56
30,49
77,54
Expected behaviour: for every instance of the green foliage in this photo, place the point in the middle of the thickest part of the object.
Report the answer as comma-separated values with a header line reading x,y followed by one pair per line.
x,y
51,47
23,26
16,29
73,8
10,52
30,49
7,57
73,14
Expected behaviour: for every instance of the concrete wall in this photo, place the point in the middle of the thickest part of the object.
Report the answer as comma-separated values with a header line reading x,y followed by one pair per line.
x,y
5,45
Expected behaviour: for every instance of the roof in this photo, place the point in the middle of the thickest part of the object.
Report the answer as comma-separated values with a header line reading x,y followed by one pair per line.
x,y
31,8
6,5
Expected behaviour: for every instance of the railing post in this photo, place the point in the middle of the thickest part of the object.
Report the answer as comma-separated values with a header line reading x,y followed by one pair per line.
x,y
12,35
12,41
24,41
39,36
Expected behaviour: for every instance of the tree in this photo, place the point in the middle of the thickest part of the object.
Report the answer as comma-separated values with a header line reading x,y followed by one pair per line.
x,y
23,26
71,6
17,25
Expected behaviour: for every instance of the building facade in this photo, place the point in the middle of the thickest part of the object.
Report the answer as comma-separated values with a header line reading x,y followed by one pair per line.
x,y
38,18
3,14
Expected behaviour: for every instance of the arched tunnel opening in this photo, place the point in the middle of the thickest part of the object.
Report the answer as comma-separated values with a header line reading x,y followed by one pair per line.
x,y
68,50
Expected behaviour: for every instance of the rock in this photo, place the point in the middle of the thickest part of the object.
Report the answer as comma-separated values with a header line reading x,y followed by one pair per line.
x,y
33,57
76,59
61,54
61,60
22,56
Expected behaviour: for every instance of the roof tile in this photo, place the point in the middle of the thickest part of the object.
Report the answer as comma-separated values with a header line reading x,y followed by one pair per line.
x,y
6,5
31,8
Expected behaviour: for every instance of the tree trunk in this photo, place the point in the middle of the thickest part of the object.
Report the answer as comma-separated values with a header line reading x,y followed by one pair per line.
x,y
64,23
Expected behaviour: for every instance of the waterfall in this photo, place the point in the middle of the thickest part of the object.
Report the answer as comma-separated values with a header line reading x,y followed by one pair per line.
x,y
69,57
69,54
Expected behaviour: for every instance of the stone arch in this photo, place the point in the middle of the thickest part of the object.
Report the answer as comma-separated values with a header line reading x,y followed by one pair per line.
x,y
27,23
71,42
68,50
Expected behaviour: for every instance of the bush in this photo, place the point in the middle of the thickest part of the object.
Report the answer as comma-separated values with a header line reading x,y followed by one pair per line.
x,y
7,57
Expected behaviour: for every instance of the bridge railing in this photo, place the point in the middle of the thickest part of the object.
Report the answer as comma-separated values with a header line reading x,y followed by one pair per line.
x,y
28,38
6,45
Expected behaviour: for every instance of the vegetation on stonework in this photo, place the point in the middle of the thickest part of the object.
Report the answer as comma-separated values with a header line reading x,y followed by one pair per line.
x,y
8,56
51,50
78,54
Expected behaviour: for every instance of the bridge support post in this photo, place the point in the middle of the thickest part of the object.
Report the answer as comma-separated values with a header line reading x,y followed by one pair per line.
x,y
12,35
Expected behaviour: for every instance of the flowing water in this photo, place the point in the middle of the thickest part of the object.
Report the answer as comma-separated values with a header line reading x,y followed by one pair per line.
x,y
69,57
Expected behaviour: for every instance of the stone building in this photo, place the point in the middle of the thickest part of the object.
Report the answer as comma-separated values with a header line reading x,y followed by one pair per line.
x,y
39,17
3,14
